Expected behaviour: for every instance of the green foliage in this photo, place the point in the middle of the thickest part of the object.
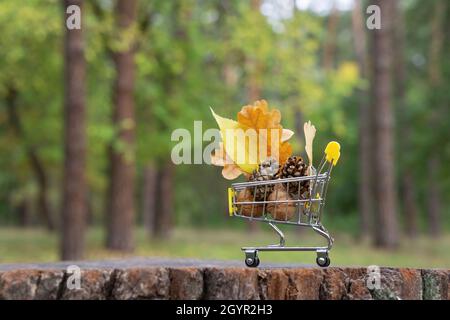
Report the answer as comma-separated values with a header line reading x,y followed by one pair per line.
x,y
191,55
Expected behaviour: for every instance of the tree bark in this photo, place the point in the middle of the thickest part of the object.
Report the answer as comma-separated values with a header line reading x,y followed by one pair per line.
x,y
409,204
34,160
434,204
43,199
149,193
253,83
74,207
164,203
329,50
122,165
408,192
254,94
386,231
299,122
253,88
365,131
24,213
254,67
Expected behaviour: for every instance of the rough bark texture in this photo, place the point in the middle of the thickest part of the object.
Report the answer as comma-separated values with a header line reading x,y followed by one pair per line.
x,y
434,205
299,123
149,193
208,282
253,69
74,206
121,198
164,203
408,192
24,213
365,194
34,160
329,50
386,233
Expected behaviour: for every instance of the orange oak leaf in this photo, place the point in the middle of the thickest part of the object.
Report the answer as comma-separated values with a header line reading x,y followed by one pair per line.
x,y
258,116
285,152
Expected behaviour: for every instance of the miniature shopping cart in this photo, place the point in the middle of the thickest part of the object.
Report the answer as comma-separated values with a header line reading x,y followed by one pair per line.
x,y
304,210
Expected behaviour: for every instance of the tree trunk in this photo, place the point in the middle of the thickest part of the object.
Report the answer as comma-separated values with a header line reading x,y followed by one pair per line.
x,y
149,192
386,231
24,213
42,200
254,94
74,207
434,199
90,219
365,142
164,203
121,197
35,162
409,204
408,192
329,50
253,68
435,75
299,122
253,83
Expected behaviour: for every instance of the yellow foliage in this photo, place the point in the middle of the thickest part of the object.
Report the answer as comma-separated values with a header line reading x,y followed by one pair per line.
x,y
348,72
252,119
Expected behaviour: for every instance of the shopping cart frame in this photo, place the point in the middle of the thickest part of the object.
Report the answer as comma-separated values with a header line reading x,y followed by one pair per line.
x,y
308,212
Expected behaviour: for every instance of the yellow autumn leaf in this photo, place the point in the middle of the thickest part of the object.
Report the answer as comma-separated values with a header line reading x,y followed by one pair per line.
x,y
229,128
258,116
242,139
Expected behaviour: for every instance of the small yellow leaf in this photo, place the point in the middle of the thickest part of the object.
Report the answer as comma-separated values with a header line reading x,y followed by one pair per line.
x,y
332,152
233,148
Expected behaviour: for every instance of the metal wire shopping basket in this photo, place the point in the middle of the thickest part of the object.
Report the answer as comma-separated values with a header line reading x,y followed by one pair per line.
x,y
304,210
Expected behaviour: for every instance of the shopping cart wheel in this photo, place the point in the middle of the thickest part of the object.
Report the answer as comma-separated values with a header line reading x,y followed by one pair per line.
x,y
322,259
251,259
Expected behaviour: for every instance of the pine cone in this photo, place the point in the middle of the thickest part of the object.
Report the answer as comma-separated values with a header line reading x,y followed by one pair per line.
x,y
293,168
269,167
261,192
266,171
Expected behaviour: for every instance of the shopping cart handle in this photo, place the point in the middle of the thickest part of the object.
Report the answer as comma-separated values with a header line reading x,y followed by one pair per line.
x,y
230,201
333,152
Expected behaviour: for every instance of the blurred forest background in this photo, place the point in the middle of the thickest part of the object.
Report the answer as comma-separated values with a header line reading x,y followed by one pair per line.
x,y
86,118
